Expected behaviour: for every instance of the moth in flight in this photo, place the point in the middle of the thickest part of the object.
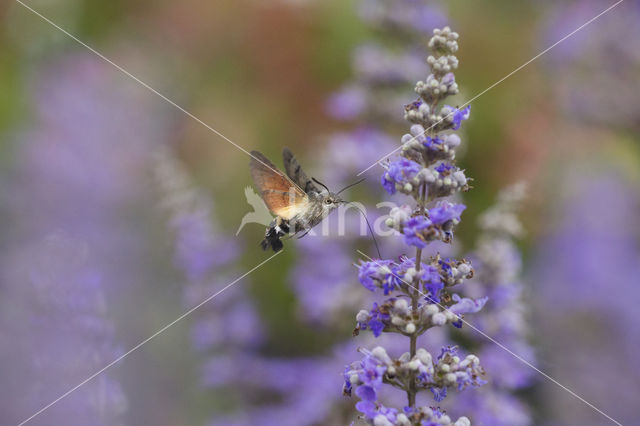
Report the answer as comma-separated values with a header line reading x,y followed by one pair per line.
x,y
298,202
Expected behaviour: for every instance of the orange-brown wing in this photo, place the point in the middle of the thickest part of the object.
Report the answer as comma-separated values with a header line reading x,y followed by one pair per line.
x,y
283,197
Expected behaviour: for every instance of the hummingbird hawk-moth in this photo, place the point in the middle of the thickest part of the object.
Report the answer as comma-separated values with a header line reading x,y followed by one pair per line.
x,y
298,202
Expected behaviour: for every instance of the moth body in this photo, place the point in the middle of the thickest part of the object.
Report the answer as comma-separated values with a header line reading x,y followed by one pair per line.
x,y
296,209
319,207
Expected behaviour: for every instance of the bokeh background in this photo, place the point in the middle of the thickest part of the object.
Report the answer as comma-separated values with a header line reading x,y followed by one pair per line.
x,y
119,211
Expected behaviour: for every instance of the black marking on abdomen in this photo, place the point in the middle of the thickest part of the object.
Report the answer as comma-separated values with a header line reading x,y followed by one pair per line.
x,y
277,228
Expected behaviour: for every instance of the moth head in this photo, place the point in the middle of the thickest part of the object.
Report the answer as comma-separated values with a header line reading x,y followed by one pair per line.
x,y
330,200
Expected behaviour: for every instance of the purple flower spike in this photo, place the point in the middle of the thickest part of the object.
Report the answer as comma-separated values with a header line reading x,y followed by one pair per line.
x,y
415,297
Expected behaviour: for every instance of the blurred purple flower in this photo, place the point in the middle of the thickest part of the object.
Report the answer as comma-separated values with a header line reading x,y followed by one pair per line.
x,y
494,407
79,173
66,333
497,275
586,271
377,65
593,69
350,153
348,103
289,400
198,247
407,15
319,280
385,69
320,277
464,305
206,256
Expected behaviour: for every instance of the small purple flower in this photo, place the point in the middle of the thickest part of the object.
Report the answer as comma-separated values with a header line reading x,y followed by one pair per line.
x,y
445,168
430,142
447,351
400,171
347,387
419,230
466,305
412,231
367,408
466,372
432,282
448,79
445,211
368,272
386,413
372,372
376,327
460,115
445,267
368,373
366,393
378,274
439,393
414,105
375,323
469,378
379,413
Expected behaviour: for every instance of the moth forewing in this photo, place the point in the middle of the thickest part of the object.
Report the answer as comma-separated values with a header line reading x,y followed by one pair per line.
x,y
281,195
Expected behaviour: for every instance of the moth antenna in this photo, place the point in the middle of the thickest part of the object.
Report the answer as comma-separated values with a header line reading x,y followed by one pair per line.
x,y
320,183
375,242
349,186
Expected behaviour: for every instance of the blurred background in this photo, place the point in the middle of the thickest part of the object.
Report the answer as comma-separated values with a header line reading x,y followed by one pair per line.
x,y
120,212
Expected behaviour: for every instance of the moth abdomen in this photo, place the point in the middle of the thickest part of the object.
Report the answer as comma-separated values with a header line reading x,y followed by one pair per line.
x,y
277,228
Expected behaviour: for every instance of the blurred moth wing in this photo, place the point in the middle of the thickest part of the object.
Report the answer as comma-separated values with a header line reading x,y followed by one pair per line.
x,y
296,174
283,197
